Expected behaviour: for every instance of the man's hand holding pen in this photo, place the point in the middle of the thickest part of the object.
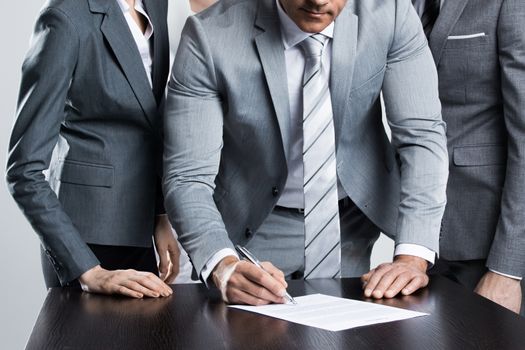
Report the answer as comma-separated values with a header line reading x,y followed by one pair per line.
x,y
242,282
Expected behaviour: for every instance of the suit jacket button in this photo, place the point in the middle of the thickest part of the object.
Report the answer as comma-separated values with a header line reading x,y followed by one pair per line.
x,y
249,233
275,191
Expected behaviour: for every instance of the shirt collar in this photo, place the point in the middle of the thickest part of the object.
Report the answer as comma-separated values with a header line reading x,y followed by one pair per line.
x,y
139,6
292,34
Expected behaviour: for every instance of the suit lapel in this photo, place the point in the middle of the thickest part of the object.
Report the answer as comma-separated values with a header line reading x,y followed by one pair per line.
x,y
343,59
116,31
271,51
448,16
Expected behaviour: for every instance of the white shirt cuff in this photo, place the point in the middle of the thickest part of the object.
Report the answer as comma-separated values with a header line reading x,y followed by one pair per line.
x,y
213,261
504,274
416,250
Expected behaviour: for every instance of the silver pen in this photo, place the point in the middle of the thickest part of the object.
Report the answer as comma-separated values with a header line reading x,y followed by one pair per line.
x,y
251,258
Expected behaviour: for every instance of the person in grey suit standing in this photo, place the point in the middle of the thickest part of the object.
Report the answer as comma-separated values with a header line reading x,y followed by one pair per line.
x,y
85,151
274,140
479,50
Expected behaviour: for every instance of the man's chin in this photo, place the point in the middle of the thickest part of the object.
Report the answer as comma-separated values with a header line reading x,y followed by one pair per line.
x,y
313,25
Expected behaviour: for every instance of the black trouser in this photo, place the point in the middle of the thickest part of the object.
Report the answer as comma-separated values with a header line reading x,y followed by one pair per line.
x,y
467,273
111,258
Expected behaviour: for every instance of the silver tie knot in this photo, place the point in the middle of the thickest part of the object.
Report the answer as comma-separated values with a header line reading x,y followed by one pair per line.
x,y
313,45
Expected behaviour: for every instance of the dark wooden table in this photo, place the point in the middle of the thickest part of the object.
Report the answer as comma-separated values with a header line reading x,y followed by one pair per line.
x,y
195,318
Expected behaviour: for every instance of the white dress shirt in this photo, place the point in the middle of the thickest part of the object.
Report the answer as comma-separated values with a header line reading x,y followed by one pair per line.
x,y
141,39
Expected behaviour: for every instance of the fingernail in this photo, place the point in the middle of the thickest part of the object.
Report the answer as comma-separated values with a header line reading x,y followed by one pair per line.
x,y
389,293
282,293
368,292
406,291
378,294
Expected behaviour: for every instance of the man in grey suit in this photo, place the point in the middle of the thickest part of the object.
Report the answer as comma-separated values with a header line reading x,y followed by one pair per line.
x,y
85,151
269,97
479,50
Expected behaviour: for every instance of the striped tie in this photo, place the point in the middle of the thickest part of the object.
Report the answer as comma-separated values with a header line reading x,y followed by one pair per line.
x,y
321,212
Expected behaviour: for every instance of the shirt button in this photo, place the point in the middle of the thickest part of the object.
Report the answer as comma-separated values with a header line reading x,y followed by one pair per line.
x,y
275,191
248,233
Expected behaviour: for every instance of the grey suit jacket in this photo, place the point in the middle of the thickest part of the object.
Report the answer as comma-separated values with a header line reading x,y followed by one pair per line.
x,y
482,90
226,125
84,89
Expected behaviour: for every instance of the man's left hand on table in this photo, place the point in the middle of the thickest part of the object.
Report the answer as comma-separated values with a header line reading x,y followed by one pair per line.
x,y
406,274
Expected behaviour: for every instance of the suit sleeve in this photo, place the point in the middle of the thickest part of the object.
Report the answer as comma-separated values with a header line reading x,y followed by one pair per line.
x,y
507,253
46,75
413,112
193,130
159,198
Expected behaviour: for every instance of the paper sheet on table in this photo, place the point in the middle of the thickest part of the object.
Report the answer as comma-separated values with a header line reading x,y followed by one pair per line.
x,y
332,313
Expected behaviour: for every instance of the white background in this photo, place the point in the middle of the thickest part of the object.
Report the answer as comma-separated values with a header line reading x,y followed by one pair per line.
x,y
22,290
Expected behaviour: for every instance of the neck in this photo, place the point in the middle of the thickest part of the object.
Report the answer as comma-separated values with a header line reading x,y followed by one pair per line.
x,y
199,5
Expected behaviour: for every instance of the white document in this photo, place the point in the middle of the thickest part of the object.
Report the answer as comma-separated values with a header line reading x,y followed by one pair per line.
x,y
332,313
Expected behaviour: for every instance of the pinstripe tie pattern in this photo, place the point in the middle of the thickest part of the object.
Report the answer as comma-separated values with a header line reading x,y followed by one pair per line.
x,y
321,214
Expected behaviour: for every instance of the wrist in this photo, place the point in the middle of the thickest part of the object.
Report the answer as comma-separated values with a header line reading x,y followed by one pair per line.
x,y
415,261
502,278
87,276
163,229
219,270
162,220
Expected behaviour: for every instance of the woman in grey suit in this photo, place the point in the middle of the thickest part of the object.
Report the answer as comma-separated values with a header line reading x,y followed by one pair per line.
x,y
85,151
